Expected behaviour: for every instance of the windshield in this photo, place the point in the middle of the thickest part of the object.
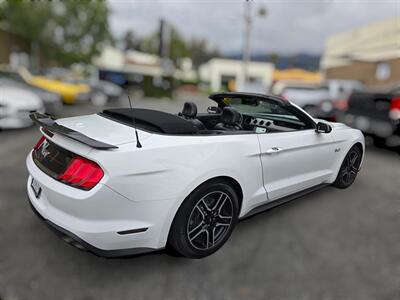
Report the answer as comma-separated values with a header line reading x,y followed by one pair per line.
x,y
306,88
261,108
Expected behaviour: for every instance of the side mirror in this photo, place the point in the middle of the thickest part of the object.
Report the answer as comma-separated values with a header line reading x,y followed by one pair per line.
x,y
213,110
323,128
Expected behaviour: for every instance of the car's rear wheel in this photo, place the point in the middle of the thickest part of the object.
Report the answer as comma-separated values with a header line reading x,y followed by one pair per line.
x,y
349,168
205,220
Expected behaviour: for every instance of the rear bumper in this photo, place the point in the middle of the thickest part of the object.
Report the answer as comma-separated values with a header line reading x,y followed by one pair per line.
x,y
100,220
79,243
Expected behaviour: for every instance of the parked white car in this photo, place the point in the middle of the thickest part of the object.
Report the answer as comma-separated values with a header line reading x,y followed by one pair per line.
x,y
341,88
103,92
183,180
301,93
15,106
319,100
52,102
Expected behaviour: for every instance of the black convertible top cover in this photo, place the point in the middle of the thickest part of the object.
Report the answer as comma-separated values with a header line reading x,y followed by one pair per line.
x,y
151,120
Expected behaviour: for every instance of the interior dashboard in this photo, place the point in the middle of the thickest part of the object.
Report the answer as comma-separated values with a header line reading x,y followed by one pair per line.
x,y
264,125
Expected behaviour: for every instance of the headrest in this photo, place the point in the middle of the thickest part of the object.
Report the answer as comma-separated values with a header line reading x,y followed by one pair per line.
x,y
230,116
189,110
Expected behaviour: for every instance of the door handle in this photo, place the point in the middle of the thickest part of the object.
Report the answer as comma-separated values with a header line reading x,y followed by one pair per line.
x,y
273,150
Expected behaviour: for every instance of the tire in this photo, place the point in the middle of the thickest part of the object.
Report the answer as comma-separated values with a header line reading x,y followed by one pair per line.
x,y
349,168
379,142
205,220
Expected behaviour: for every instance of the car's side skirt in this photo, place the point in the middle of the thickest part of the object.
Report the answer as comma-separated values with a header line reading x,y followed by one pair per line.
x,y
282,200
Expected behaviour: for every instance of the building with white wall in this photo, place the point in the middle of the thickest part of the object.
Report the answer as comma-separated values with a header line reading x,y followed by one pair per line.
x,y
130,61
218,72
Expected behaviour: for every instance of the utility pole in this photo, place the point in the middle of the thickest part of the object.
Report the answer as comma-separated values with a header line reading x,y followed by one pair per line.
x,y
246,54
248,22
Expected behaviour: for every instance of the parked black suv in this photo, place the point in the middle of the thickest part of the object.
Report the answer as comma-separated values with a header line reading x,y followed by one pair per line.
x,y
376,113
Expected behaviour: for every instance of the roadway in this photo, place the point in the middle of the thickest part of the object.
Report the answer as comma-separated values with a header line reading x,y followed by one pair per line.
x,y
332,244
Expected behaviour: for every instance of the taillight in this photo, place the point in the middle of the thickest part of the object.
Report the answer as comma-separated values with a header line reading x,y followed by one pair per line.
x,y
340,104
39,143
82,173
395,104
395,108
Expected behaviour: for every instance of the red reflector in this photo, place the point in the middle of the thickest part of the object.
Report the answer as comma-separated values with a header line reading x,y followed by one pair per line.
x,y
395,104
340,104
82,173
39,143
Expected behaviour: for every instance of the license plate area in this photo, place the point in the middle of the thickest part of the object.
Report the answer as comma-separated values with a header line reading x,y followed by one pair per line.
x,y
37,190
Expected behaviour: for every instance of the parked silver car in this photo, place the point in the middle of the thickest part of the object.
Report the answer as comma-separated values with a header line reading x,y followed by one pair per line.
x,y
15,106
52,102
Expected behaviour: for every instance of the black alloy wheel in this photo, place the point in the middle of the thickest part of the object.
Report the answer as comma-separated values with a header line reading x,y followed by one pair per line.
x,y
349,168
205,220
210,220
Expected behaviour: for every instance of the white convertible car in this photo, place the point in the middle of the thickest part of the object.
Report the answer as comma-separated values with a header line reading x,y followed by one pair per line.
x,y
183,180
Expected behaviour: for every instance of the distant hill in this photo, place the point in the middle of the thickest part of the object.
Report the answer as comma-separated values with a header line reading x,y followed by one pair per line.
x,y
303,61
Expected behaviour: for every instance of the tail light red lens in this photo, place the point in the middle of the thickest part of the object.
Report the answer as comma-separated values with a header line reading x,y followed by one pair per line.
x,y
82,173
340,104
395,104
395,108
39,143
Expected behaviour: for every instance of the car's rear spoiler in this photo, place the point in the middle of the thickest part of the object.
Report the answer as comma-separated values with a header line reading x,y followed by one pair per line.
x,y
51,125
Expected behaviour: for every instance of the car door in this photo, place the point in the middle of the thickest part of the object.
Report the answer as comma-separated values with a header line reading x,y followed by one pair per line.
x,y
294,161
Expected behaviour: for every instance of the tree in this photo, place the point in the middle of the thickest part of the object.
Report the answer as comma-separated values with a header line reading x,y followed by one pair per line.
x,y
197,49
274,58
64,31
150,43
201,52
178,46
130,41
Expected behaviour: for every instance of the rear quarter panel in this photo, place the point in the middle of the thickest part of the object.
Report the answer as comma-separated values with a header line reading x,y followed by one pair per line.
x,y
171,167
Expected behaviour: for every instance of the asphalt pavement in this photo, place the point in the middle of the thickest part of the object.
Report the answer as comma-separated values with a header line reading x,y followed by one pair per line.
x,y
331,244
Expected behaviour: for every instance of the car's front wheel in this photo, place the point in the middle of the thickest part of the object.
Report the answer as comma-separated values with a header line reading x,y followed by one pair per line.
x,y
349,168
205,220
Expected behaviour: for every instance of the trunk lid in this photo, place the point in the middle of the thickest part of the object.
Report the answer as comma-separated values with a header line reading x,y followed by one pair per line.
x,y
103,129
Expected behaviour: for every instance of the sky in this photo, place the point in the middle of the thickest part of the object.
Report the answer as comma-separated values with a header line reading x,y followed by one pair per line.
x,y
290,26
